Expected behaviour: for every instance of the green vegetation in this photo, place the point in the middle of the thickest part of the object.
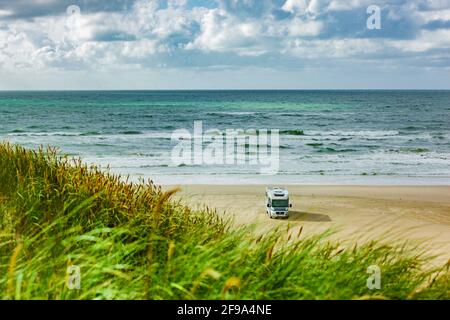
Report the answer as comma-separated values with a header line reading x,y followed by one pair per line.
x,y
131,241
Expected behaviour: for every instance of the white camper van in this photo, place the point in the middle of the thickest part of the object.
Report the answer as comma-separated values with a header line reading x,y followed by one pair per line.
x,y
277,201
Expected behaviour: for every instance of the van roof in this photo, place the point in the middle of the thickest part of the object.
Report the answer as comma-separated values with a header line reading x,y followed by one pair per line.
x,y
277,192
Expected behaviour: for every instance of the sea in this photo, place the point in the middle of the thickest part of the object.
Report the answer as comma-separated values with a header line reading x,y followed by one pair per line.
x,y
374,137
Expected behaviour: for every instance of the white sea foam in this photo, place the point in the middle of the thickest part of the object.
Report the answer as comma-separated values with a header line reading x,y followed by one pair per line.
x,y
360,134
232,113
45,134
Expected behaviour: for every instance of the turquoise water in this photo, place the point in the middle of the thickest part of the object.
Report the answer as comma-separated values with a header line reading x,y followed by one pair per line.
x,y
367,137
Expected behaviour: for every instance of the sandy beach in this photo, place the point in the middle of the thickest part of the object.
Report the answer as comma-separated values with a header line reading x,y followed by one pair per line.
x,y
419,214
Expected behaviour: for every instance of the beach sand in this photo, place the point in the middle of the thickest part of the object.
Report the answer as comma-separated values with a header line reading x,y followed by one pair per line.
x,y
419,214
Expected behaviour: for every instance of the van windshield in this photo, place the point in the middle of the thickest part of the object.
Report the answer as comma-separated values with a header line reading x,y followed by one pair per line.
x,y
280,203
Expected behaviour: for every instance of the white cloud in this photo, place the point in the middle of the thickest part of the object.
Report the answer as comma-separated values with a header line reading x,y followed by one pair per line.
x,y
427,40
148,35
342,5
300,7
300,28
295,5
437,4
332,48
222,32
5,13
427,16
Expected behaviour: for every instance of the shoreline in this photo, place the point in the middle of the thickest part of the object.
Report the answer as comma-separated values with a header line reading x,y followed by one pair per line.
x,y
291,180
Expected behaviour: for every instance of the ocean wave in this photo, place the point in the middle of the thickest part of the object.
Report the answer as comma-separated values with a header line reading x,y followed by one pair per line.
x,y
90,133
161,135
102,145
411,128
333,150
20,133
439,137
361,134
231,113
45,134
131,132
314,144
410,150
292,114
154,166
385,157
293,132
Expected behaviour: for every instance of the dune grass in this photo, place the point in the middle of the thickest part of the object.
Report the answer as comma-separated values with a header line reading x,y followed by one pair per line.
x,y
131,241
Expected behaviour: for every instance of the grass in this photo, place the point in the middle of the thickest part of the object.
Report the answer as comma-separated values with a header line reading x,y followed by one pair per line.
x,y
131,241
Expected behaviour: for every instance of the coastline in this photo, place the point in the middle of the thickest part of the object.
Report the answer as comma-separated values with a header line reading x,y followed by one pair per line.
x,y
111,230
417,214
285,179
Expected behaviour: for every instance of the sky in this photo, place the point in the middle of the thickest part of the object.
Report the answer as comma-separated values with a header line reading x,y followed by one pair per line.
x,y
224,44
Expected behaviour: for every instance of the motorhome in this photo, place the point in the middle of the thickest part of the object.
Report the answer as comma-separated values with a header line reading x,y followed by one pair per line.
x,y
277,202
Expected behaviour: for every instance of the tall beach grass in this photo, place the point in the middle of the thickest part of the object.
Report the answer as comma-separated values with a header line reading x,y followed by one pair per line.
x,y
133,241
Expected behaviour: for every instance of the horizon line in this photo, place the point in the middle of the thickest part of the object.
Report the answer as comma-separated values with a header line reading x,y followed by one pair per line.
x,y
224,89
